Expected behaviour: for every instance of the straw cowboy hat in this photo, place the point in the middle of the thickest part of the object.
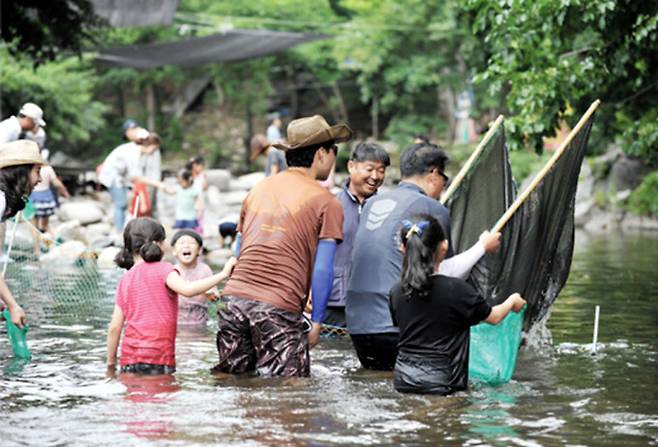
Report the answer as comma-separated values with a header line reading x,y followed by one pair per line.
x,y
313,130
19,152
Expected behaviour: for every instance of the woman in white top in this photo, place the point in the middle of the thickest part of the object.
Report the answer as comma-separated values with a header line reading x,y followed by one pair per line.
x,y
20,163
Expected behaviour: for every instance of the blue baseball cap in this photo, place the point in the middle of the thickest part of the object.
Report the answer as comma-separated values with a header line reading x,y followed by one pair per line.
x,y
128,124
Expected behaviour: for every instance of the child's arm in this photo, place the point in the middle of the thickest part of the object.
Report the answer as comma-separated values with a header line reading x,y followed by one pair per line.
x,y
198,203
190,288
61,189
514,303
113,335
17,314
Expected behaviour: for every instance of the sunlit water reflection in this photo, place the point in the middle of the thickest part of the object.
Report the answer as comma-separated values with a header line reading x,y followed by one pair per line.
x,y
560,394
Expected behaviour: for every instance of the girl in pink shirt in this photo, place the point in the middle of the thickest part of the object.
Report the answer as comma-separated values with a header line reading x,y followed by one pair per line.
x,y
147,302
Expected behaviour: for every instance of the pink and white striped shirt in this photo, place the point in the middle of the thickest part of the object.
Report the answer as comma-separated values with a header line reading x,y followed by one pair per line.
x,y
151,312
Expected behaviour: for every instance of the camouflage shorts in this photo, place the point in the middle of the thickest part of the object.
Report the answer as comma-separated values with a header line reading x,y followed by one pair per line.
x,y
260,337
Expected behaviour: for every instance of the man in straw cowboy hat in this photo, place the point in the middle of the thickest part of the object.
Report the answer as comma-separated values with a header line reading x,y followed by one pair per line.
x,y
20,163
289,228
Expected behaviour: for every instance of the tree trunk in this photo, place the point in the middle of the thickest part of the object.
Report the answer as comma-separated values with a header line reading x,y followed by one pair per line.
x,y
341,102
374,111
250,132
150,108
446,97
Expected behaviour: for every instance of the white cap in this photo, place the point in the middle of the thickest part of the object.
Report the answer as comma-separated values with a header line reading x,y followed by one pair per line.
x,y
33,111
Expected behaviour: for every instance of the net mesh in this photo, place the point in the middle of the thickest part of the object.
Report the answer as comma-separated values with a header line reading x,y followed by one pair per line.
x,y
48,280
536,246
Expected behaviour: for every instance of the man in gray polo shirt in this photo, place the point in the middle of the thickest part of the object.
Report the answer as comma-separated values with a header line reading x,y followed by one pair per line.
x,y
377,259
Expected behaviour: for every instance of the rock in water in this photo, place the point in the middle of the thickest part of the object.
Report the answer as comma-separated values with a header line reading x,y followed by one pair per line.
x,y
65,254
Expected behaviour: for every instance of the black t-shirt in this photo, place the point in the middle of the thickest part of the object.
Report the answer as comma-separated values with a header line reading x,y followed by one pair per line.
x,y
437,327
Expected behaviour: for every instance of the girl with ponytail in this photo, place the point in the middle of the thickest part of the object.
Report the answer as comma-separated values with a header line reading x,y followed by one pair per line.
x,y
434,314
147,302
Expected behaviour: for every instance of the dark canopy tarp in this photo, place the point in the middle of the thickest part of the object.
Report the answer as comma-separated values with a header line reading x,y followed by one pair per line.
x,y
227,46
125,13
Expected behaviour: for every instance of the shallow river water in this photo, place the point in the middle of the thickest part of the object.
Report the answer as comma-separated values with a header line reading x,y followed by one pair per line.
x,y
561,393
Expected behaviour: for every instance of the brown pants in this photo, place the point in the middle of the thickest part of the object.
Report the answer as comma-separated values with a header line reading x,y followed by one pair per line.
x,y
260,337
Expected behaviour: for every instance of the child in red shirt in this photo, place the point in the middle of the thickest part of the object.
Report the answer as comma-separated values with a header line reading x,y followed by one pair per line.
x,y
147,301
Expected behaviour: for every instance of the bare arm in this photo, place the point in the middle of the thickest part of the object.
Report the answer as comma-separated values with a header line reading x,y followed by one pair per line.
x,y
198,203
61,189
17,314
513,303
113,335
191,288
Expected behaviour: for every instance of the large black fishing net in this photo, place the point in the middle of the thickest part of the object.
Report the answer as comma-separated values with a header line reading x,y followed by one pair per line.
x,y
537,242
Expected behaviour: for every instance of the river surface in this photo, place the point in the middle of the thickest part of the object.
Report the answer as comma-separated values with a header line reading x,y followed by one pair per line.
x,y
561,393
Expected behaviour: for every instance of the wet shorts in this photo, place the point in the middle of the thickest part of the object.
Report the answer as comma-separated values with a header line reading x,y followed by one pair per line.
x,y
260,337
147,369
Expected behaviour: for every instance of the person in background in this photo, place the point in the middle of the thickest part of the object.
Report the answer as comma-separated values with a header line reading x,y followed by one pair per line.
x,y
289,229
274,131
20,163
188,246
228,228
29,119
147,302
122,167
188,201
367,170
151,163
43,199
434,313
422,138
196,165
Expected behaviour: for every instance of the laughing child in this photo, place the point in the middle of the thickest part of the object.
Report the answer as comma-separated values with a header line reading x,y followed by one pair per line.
x,y
188,245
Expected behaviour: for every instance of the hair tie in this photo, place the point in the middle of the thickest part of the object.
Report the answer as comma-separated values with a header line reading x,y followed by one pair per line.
x,y
414,228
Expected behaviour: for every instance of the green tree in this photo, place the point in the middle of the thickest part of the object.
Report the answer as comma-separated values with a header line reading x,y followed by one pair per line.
x,y
543,56
63,88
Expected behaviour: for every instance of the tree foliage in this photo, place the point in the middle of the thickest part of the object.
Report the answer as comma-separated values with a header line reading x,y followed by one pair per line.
x,y
64,89
543,56
44,29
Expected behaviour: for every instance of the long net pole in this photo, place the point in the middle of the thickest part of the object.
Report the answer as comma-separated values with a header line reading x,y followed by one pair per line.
x,y
471,160
540,176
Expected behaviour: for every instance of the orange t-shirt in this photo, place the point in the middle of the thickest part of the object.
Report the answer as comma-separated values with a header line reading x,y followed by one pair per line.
x,y
282,220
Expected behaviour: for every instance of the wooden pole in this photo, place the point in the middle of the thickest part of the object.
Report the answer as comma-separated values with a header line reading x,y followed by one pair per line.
x,y
540,176
469,163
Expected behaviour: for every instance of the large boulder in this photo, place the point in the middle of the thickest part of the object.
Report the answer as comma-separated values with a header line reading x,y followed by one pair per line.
x,y
220,178
85,211
627,173
247,181
106,258
65,254
71,231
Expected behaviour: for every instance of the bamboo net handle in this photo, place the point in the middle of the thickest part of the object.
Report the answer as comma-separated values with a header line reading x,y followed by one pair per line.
x,y
469,163
540,176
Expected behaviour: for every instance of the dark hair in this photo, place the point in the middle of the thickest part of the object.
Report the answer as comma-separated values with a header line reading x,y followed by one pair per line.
x,y
15,183
303,157
196,160
197,237
420,238
421,158
423,137
153,138
370,152
185,174
140,238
